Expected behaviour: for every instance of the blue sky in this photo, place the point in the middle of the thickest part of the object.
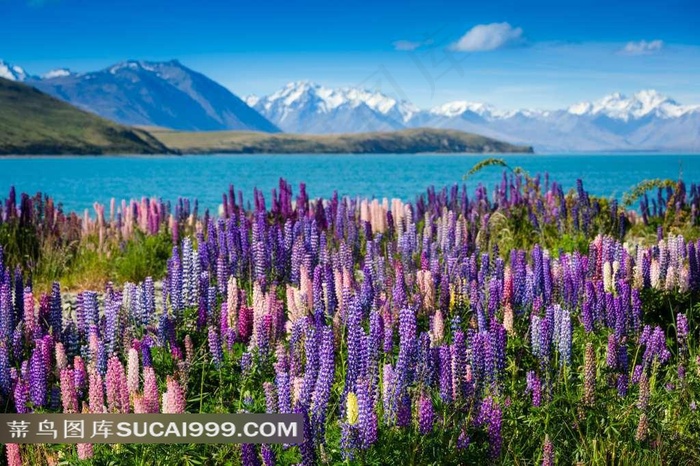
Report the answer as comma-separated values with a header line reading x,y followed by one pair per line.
x,y
512,54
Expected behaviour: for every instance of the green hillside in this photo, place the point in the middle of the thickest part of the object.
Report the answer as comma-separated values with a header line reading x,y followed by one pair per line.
x,y
32,122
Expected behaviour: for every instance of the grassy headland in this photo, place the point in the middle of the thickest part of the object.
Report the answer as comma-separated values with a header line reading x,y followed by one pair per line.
x,y
401,142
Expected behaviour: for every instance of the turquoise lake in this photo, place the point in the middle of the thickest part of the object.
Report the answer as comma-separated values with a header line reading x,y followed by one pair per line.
x,y
77,182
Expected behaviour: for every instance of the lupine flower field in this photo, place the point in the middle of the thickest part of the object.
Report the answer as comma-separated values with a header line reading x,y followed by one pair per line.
x,y
531,323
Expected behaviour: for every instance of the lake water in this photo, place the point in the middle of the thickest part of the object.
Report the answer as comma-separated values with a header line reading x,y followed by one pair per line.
x,y
77,182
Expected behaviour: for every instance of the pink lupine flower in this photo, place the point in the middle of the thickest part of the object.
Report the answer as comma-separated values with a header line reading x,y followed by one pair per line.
x,y
69,396
96,392
132,371
13,456
151,398
174,398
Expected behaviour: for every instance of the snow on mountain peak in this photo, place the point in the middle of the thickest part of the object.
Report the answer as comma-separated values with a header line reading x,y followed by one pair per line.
x,y
12,72
57,73
459,107
639,105
298,94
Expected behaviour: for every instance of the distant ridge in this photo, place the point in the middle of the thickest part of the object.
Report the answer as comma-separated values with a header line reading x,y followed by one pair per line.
x,y
145,93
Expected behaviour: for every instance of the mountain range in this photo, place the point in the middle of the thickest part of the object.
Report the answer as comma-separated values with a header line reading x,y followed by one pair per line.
x,y
170,95
645,120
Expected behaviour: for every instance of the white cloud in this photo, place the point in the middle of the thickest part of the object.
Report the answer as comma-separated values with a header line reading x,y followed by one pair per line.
x,y
485,37
642,47
406,45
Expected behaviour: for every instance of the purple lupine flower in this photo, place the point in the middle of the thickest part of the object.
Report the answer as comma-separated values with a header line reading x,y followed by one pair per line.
x,y
445,367
306,448
21,395
534,386
249,455
246,363
458,361
217,354
268,455
284,393
5,379
38,375
270,397
490,415
426,415
324,382
311,346
611,356
682,329
367,418
356,343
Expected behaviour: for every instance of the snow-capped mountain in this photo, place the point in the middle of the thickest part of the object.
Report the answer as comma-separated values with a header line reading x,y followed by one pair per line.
x,y
615,122
306,107
639,105
646,120
166,94
12,72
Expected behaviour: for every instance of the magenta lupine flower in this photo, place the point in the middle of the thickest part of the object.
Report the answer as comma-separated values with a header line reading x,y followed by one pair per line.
x,y
426,414
85,451
548,452
151,398
69,395
96,392
245,323
189,349
14,458
589,375
644,392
